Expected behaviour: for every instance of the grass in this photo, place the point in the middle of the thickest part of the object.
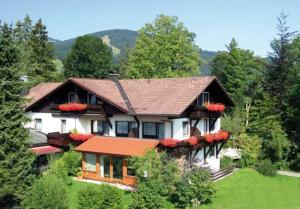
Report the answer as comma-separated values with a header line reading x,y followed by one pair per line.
x,y
245,189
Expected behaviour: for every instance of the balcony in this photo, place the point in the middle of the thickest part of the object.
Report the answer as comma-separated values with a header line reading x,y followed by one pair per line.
x,y
58,139
79,109
198,112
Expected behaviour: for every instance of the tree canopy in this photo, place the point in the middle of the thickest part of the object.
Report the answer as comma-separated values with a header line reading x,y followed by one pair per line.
x,y
89,57
164,48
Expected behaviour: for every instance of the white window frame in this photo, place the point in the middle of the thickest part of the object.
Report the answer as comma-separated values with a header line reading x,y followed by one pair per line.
x,y
206,126
38,125
63,126
185,129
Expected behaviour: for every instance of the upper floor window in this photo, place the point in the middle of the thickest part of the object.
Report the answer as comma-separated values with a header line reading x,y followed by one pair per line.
x,y
203,99
71,97
63,126
38,124
100,127
91,99
185,128
153,130
206,126
124,128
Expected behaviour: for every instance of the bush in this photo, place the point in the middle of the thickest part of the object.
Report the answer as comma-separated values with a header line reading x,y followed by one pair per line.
x,y
267,168
226,162
100,197
58,168
48,192
148,195
72,162
250,149
193,189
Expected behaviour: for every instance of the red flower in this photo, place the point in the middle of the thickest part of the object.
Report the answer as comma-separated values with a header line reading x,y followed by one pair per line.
x,y
72,107
192,140
80,137
169,142
209,137
215,107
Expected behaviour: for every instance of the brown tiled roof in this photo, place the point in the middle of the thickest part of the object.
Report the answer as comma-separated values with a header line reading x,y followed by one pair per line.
x,y
118,146
106,89
39,91
170,96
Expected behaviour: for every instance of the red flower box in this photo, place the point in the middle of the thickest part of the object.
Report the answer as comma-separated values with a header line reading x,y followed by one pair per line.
x,y
80,137
222,135
215,107
169,142
209,137
192,140
72,107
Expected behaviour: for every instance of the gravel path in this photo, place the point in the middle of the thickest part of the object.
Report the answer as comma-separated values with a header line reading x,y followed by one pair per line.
x,y
289,173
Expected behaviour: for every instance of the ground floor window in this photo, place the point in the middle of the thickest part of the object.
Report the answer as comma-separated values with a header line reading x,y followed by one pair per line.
x,y
100,127
126,128
117,163
153,130
212,150
90,160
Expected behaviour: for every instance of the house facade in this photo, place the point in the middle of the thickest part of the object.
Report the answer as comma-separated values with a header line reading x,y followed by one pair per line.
x,y
144,109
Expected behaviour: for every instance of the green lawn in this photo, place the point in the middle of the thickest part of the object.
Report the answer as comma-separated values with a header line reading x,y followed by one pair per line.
x,y
245,189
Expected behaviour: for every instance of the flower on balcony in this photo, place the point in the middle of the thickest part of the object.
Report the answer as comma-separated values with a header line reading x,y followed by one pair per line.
x,y
80,137
169,142
192,140
218,107
70,107
209,137
222,135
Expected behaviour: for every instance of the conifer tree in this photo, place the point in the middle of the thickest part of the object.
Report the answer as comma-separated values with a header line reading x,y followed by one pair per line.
x,y
16,161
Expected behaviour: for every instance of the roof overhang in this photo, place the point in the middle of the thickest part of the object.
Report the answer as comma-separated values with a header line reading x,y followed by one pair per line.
x,y
44,150
118,146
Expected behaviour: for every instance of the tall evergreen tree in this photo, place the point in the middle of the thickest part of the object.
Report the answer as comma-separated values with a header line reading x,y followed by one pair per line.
x,y
164,48
282,59
16,160
89,57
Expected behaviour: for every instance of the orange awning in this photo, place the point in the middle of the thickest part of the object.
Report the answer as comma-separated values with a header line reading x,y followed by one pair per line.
x,y
118,146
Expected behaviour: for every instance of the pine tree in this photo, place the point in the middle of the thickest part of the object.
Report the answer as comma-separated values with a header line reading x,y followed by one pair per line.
x,y
16,161
89,57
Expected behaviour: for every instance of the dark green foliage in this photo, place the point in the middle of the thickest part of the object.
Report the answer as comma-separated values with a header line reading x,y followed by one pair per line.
x,y
226,162
164,48
17,170
266,168
193,189
48,192
89,57
72,161
100,197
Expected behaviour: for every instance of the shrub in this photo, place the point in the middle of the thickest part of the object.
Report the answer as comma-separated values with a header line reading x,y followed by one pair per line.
x,y
193,189
250,149
148,195
226,162
72,162
48,192
267,168
58,168
100,197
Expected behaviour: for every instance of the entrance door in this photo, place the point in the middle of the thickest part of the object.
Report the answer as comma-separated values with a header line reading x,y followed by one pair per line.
x,y
117,167
105,166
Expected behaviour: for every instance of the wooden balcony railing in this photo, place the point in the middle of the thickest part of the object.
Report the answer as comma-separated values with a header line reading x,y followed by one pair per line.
x,y
58,139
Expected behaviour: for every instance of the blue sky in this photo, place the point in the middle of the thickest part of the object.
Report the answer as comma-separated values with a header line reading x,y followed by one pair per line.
x,y
215,22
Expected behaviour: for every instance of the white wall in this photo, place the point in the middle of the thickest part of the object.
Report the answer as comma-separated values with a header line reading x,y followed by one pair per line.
x,y
213,162
178,128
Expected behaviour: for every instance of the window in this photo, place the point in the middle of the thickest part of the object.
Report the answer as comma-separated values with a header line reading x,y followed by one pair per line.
x,y
90,162
153,130
63,126
100,127
105,166
203,99
91,99
124,127
185,128
38,124
71,97
212,123
117,167
212,151
206,126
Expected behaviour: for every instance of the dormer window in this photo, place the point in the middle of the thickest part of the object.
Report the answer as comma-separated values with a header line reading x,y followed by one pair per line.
x,y
91,99
71,97
203,99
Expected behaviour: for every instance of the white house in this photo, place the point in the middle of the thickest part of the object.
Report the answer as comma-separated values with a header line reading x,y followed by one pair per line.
x,y
157,109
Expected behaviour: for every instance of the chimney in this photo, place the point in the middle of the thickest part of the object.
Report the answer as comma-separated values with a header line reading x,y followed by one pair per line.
x,y
114,77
